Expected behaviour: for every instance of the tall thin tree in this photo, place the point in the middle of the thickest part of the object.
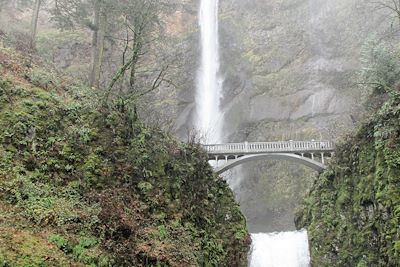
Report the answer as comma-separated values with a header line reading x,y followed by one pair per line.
x,y
34,24
99,32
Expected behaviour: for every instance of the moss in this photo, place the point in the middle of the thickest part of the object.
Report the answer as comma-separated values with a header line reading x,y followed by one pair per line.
x,y
24,248
351,211
87,172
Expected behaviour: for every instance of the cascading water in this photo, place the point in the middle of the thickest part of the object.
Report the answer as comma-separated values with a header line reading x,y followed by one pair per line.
x,y
288,249
209,85
268,250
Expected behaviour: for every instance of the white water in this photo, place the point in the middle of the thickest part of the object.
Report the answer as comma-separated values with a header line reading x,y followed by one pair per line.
x,y
289,249
268,250
209,84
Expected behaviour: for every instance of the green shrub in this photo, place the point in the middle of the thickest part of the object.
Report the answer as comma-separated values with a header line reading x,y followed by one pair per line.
x,y
381,66
3,262
42,78
60,242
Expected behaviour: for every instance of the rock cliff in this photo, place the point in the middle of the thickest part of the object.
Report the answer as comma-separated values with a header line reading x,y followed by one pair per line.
x,y
353,210
290,69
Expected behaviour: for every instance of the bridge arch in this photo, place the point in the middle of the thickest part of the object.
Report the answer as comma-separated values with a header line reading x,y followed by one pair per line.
x,y
317,166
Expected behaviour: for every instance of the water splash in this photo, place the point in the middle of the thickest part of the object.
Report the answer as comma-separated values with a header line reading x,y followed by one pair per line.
x,y
209,84
286,249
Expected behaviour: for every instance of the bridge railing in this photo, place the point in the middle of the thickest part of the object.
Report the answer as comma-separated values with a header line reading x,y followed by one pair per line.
x,y
269,147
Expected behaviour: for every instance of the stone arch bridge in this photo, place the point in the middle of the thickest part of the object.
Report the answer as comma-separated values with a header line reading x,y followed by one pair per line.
x,y
310,153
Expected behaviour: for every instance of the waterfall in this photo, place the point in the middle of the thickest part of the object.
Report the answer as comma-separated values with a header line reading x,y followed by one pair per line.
x,y
268,250
289,249
209,84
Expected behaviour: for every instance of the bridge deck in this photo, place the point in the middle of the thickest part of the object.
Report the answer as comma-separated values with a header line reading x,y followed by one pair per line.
x,y
270,147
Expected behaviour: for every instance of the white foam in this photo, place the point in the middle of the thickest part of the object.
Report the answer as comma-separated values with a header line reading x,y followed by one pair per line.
x,y
286,249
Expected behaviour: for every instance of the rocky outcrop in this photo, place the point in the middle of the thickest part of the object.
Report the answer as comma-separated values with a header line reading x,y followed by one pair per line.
x,y
292,60
353,210
290,69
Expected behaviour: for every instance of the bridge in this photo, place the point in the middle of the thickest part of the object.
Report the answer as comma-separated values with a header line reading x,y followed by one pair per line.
x,y
310,153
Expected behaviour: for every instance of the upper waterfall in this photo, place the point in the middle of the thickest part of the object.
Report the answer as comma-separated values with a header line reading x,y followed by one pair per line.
x,y
209,84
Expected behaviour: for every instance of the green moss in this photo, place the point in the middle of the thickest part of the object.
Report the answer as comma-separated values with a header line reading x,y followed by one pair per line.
x,y
352,210
24,248
110,191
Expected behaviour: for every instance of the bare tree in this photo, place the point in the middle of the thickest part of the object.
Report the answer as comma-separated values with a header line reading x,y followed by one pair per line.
x,y
140,18
130,24
98,36
91,14
34,23
392,5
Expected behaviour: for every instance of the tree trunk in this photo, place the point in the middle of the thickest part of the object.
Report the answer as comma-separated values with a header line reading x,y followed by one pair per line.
x,y
99,32
136,47
34,23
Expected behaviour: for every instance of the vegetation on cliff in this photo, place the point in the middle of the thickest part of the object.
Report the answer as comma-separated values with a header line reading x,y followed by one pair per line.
x,y
83,183
353,210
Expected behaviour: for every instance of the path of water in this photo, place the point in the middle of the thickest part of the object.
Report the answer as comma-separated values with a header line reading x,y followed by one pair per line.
x,y
268,250
288,249
209,84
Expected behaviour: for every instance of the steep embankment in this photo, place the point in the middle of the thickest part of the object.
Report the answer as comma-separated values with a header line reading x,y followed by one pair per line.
x,y
353,210
81,184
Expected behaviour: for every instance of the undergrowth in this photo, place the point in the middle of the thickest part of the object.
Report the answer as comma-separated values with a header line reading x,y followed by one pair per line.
x,y
353,210
101,188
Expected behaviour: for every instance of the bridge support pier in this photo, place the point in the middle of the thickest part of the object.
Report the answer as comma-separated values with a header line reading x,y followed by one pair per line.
x,y
216,161
323,158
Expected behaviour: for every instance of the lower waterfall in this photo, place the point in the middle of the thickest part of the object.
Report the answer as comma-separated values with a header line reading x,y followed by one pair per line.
x,y
285,249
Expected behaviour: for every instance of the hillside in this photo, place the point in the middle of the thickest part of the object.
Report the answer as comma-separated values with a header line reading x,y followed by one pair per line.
x,y
84,184
353,210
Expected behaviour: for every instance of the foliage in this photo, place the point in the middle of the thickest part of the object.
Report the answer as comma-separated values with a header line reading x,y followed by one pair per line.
x,y
25,248
130,25
381,67
5,86
82,250
352,212
109,191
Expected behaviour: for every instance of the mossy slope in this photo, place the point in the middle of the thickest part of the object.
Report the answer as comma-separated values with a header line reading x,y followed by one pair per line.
x,y
101,189
353,210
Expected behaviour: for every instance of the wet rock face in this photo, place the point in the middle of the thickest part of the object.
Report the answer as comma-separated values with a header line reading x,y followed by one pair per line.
x,y
289,69
291,60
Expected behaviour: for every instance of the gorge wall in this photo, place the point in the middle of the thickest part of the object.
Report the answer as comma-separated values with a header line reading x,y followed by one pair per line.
x,y
353,210
289,68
